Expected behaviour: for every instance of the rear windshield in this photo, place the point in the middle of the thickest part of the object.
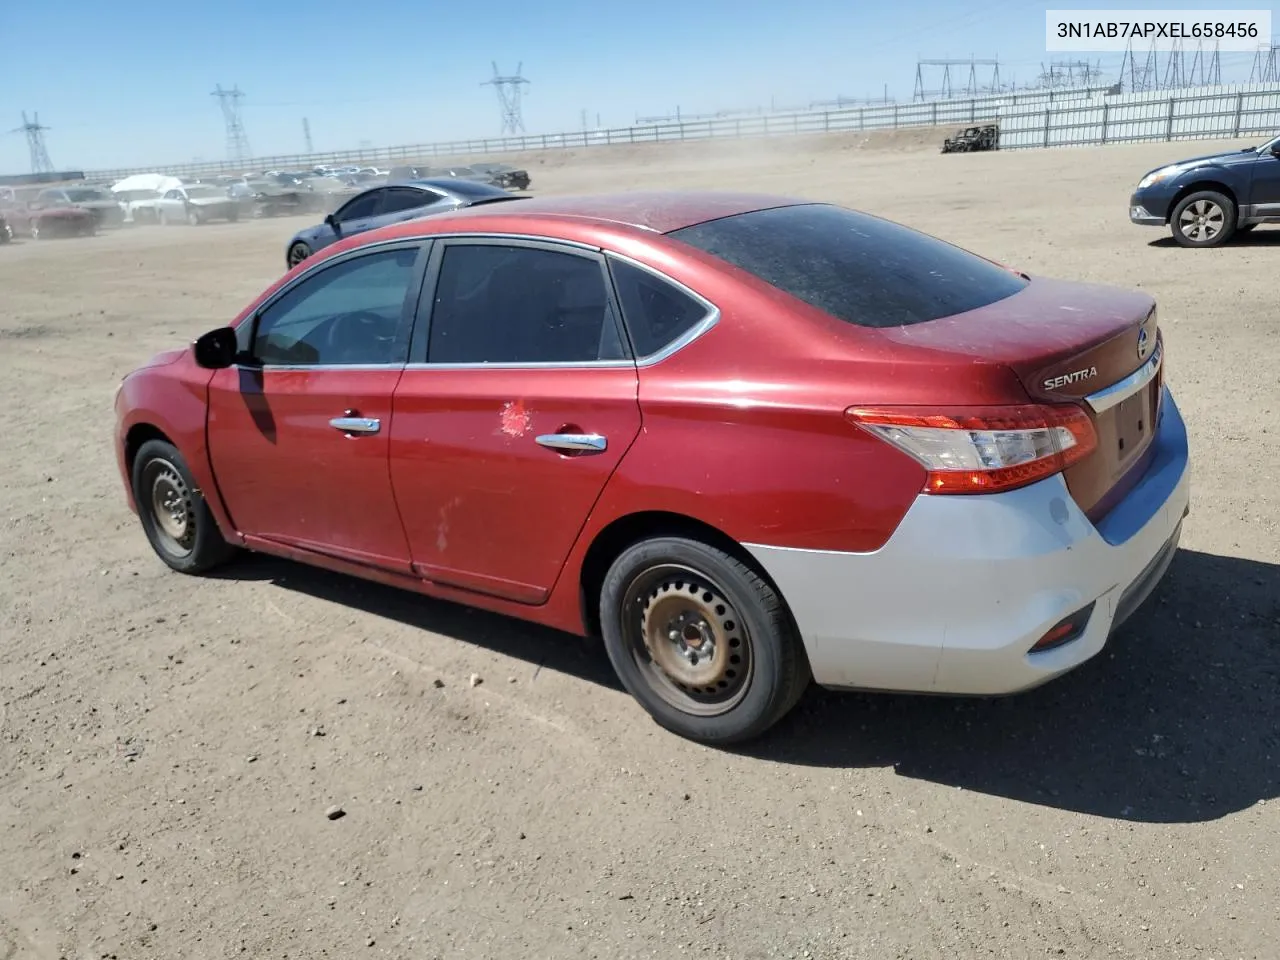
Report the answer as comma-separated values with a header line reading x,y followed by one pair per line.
x,y
861,269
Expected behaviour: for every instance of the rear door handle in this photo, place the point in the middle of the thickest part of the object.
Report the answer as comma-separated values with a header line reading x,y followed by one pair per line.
x,y
354,425
577,442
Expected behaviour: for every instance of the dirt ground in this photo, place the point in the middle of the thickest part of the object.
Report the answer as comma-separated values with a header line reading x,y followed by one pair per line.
x,y
169,745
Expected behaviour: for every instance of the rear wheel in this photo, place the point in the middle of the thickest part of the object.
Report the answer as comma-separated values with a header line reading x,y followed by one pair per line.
x,y
701,640
173,511
1205,218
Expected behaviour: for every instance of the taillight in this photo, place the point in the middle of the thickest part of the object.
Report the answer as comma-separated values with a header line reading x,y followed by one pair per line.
x,y
984,449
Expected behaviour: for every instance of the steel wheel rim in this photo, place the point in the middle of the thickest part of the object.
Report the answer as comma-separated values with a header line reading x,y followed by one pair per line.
x,y
1202,220
687,639
172,507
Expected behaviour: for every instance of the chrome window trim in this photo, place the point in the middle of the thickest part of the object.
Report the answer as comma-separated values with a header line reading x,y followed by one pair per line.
x,y
546,365
1123,389
264,367
693,333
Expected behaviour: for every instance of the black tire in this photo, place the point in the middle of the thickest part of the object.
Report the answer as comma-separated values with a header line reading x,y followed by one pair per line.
x,y
757,670
1205,218
297,253
193,544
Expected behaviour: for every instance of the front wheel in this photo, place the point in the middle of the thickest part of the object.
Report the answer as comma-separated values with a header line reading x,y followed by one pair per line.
x,y
1205,218
297,253
174,514
701,640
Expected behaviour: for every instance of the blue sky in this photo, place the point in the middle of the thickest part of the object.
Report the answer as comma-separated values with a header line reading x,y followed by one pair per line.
x,y
129,84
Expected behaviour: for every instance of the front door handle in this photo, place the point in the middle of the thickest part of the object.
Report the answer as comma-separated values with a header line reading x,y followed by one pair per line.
x,y
354,425
576,442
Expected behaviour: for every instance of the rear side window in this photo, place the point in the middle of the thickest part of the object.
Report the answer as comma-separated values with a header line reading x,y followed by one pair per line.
x,y
861,269
657,313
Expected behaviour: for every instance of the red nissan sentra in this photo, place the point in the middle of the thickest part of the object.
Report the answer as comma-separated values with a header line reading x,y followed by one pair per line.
x,y
750,441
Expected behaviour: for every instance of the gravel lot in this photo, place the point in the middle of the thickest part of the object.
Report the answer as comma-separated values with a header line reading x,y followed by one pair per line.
x,y
169,745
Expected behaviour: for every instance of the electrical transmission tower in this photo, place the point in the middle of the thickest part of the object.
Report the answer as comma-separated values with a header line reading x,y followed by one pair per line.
x,y
34,130
1070,75
306,135
1144,76
237,139
1266,69
508,88
946,92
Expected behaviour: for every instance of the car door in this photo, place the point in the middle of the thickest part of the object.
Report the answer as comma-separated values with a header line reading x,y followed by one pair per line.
x,y
359,213
518,404
1266,184
173,205
299,429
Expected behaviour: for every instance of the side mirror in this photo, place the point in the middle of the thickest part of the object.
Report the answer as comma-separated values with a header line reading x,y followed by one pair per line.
x,y
1275,150
332,221
216,349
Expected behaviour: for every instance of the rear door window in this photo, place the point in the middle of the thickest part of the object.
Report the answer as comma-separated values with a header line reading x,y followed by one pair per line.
x,y
861,269
657,313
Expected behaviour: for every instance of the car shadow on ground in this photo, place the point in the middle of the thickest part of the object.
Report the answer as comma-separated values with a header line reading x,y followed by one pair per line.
x,y
1260,237
541,646
1177,720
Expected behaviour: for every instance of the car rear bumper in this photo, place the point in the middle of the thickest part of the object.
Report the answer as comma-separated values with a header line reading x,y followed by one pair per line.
x,y
953,603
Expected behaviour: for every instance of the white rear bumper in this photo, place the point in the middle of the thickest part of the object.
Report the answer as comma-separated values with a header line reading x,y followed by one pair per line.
x,y
967,584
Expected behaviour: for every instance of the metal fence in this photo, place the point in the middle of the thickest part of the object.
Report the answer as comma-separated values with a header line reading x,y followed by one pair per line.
x,y
880,117
1243,110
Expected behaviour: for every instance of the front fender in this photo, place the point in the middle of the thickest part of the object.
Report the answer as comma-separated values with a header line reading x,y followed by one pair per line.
x,y
170,400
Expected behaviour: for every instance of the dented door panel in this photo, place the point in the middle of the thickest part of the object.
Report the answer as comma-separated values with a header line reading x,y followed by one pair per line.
x,y
486,506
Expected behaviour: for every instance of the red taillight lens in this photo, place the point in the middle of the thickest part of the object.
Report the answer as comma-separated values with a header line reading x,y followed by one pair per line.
x,y
984,449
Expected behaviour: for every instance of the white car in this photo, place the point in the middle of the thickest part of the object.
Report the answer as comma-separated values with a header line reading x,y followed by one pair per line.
x,y
197,203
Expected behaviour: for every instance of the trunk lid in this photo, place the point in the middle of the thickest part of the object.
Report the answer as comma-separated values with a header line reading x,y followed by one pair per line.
x,y
1071,342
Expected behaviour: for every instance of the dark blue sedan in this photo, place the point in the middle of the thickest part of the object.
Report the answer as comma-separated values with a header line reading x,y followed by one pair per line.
x,y
391,203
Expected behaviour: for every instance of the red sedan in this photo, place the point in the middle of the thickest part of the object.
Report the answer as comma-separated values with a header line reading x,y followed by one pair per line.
x,y
750,441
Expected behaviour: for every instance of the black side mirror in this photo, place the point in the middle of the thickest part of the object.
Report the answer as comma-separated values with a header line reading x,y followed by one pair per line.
x,y
216,349
332,221
1275,150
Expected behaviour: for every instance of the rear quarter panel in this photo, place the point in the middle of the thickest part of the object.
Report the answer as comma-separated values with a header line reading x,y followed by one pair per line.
x,y
743,428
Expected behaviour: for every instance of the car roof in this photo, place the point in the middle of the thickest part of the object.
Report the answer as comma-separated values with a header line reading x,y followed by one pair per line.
x,y
657,211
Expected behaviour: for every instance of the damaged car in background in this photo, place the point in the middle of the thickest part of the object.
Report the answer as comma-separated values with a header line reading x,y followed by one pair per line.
x,y
197,203
48,220
504,175
104,208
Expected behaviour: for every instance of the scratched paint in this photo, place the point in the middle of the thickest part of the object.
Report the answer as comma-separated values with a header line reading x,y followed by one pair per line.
x,y
514,421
